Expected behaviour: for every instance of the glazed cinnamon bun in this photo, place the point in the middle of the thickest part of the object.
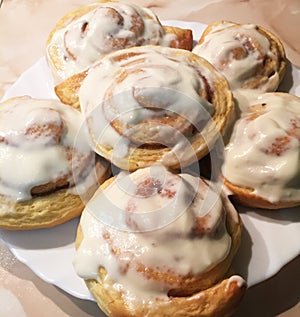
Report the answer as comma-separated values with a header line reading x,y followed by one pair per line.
x,y
261,165
151,104
154,243
47,169
84,35
248,55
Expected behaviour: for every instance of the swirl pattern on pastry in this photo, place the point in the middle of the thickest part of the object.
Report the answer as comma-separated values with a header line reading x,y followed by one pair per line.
x,y
171,241
43,156
261,165
83,36
248,55
148,104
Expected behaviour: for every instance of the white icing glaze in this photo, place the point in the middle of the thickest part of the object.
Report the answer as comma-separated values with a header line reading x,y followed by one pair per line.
x,y
221,43
245,97
240,282
263,152
163,238
109,27
119,89
34,137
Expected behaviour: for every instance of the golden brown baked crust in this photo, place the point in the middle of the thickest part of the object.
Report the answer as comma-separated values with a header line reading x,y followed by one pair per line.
x,y
220,300
40,212
212,293
50,209
275,62
67,91
215,89
183,37
246,197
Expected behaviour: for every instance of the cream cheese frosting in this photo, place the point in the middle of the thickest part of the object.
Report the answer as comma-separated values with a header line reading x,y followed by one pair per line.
x,y
164,221
122,97
110,26
238,51
264,150
41,142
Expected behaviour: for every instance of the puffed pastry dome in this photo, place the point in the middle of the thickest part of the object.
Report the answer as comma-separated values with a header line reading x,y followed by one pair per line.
x,y
154,243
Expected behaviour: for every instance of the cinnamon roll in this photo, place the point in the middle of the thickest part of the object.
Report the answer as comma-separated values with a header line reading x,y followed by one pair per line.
x,y
86,34
261,165
47,169
154,243
248,55
151,104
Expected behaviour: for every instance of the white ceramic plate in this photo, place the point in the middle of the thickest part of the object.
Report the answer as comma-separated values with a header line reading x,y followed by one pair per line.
x,y
270,239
